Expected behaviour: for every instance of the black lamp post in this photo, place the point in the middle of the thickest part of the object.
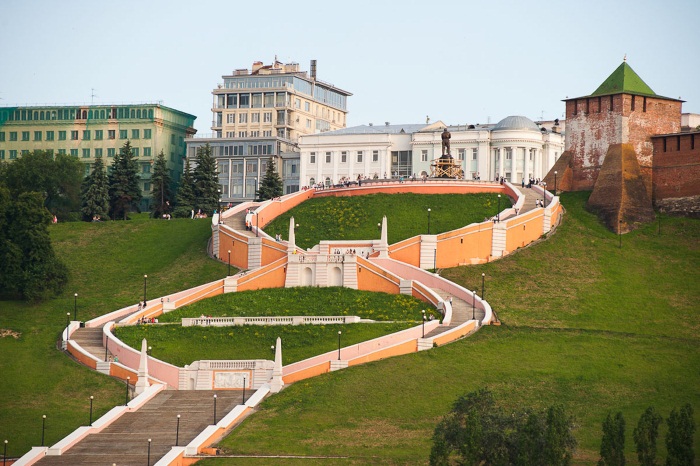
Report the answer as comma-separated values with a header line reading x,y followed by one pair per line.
x,y
339,332
91,398
243,390
43,428
106,344
555,182
148,461
257,224
148,352
75,306
483,278
428,220
177,431
126,397
229,262
4,454
145,277
423,311
474,305
498,214
215,409
544,194
67,324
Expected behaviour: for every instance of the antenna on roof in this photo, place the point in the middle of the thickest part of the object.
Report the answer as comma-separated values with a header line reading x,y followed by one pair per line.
x,y
624,59
92,96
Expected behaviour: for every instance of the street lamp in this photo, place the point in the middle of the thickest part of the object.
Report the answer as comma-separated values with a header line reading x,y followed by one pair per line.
x,y
177,431
149,350
483,277
43,428
257,224
145,277
67,324
423,311
474,305
339,332
428,220
555,182
215,409
4,454
544,194
126,397
229,263
91,398
148,461
75,306
243,390
498,214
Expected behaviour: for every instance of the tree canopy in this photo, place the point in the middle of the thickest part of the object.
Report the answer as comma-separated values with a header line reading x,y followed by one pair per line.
x,y
271,186
124,190
184,203
95,193
206,181
161,187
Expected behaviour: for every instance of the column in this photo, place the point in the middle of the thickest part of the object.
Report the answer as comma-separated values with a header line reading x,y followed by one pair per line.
x,y
513,164
526,162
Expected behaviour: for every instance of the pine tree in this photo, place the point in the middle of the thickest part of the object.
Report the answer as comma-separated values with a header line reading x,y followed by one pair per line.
x,y
95,193
206,181
612,446
124,190
645,435
162,194
184,204
271,186
679,439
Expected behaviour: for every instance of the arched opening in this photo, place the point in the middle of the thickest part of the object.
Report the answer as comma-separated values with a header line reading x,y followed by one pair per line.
x,y
312,181
336,277
307,277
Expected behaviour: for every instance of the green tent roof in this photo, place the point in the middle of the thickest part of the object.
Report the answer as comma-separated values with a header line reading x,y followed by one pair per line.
x,y
624,81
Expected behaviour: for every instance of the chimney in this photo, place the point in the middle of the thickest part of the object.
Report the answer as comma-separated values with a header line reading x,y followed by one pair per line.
x,y
313,70
257,65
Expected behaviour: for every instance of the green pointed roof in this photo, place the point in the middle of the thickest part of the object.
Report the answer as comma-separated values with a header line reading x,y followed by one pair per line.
x,y
624,81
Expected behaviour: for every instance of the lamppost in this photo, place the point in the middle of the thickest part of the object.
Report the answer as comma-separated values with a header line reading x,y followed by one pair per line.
x,y
67,324
229,263
257,224
428,220
498,214
177,431
474,305
555,182
423,311
43,428
483,278
126,396
4,454
91,398
145,277
544,194
215,409
243,390
148,461
75,306
148,352
339,332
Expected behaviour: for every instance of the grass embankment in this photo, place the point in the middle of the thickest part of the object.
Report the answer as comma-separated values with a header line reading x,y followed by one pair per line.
x,y
183,345
586,324
356,218
107,262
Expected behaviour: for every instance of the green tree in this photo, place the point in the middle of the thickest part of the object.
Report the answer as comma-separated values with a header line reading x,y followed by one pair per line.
x,y
679,438
57,178
645,435
124,190
271,186
206,181
559,440
161,182
612,446
95,193
184,203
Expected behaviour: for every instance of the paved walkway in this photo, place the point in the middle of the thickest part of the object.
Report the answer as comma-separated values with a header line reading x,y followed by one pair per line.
x,y
461,312
237,222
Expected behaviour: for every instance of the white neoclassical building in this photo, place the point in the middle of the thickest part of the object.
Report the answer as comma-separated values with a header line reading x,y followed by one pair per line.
x,y
515,148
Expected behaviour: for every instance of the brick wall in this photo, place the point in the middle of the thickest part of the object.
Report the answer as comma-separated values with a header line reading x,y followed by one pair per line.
x,y
676,162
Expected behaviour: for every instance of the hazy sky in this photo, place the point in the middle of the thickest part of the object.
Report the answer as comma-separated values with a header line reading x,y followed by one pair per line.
x,y
459,62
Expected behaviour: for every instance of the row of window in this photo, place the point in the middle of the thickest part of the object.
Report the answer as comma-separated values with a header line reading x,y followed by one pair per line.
x,y
87,135
254,117
85,152
76,114
359,156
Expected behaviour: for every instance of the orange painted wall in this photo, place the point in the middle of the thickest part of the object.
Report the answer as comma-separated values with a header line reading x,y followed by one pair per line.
x,y
276,208
273,279
214,289
397,350
121,373
441,340
88,361
238,244
271,251
371,278
461,246
307,373
524,229
407,251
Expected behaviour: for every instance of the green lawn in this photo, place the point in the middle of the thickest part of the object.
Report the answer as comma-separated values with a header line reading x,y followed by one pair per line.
x,y
107,262
586,324
356,218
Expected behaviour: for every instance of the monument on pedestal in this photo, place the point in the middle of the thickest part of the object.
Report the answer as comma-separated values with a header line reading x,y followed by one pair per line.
x,y
445,166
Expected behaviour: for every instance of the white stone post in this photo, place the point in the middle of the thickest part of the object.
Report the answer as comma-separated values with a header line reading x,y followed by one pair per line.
x,y
383,242
277,383
142,382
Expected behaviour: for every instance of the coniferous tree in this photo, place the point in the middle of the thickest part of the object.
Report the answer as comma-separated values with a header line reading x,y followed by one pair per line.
x,y
679,439
162,194
645,435
184,204
95,193
206,181
124,190
612,446
271,186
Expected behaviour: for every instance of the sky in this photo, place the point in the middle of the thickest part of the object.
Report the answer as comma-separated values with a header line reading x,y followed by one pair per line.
x,y
461,62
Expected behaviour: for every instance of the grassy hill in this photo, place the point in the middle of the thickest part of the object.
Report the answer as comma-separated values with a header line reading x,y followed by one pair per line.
x,y
587,324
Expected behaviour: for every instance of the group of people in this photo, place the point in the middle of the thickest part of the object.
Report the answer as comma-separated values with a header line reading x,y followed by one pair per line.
x,y
96,218
347,251
530,182
199,214
147,320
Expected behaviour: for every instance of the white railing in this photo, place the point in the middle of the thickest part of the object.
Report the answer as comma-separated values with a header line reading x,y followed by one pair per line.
x,y
273,320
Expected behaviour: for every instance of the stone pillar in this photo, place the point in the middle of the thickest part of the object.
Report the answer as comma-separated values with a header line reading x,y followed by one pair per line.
x,y
291,244
513,164
526,162
383,242
142,382
277,383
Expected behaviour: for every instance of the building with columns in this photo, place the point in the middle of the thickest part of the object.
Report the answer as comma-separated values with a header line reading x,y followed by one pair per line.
x,y
516,148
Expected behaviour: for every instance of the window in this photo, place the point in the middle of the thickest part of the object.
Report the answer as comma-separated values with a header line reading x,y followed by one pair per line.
x,y
86,153
135,151
251,166
243,134
61,135
375,156
135,134
62,151
172,139
460,154
86,135
344,156
308,123
255,117
146,151
2,154
509,154
147,134
37,135
13,154
267,134
98,134
242,118
297,103
111,152
25,135
122,134
111,134
328,157
74,152
147,186
312,157
255,134
424,156
145,168
2,136
13,135
267,117
230,118
307,106
359,156
475,154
